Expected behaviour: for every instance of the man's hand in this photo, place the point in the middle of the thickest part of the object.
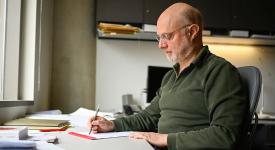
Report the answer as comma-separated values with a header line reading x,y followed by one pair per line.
x,y
153,138
100,124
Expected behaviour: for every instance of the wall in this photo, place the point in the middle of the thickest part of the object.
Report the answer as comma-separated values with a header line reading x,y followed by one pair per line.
x,y
121,68
45,66
73,73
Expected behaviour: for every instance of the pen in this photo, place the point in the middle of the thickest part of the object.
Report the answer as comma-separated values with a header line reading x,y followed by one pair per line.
x,y
97,109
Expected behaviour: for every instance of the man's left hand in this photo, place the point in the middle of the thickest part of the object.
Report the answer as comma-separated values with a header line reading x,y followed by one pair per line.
x,y
157,139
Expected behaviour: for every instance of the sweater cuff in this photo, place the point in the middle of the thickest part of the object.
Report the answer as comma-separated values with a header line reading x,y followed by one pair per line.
x,y
171,141
118,125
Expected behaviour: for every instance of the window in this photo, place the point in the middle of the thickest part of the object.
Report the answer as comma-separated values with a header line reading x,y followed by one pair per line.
x,y
2,29
19,49
2,38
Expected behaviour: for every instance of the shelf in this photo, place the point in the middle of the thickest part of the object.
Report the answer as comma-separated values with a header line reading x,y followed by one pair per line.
x,y
150,36
238,41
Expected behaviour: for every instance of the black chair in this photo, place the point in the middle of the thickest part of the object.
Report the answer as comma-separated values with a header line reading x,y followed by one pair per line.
x,y
252,80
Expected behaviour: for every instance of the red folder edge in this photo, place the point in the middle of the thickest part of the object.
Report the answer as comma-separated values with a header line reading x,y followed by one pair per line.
x,y
81,135
53,130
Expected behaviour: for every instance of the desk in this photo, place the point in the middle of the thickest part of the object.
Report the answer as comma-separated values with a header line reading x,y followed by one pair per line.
x,y
70,142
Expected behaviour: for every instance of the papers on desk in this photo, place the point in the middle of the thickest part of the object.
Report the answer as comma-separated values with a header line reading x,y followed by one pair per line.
x,y
64,117
38,124
42,137
83,111
80,117
96,136
17,144
109,28
53,112
27,145
41,145
13,132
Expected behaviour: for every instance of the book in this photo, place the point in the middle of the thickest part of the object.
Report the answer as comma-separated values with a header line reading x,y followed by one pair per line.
x,y
117,28
13,132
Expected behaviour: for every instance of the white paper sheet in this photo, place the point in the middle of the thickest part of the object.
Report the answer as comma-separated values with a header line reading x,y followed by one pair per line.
x,y
81,116
42,145
106,135
11,144
49,116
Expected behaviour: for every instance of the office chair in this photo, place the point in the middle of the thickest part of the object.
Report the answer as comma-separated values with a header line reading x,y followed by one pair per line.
x,y
252,80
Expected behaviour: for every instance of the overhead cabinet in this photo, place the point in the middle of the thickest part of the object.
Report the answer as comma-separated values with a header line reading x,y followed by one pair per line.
x,y
216,13
254,16
119,11
153,8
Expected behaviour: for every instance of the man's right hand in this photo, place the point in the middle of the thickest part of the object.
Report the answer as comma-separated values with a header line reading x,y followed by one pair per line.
x,y
101,124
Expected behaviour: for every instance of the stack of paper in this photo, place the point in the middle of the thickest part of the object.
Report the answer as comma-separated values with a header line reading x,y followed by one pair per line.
x,y
64,117
27,145
79,118
39,124
13,132
17,145
117,28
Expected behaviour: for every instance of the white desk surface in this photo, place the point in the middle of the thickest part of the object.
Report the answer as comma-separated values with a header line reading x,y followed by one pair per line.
x,y
70,142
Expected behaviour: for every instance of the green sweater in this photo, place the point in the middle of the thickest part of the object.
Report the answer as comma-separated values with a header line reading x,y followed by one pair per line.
x,y
201,108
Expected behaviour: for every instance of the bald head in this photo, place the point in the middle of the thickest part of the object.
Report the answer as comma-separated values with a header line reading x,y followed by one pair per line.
x,y
180,14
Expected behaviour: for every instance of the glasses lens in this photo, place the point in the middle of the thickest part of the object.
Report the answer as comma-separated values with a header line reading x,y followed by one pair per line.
x,y
158,37
165,37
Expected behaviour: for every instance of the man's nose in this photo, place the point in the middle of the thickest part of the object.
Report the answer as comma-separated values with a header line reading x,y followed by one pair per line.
x,y
162,44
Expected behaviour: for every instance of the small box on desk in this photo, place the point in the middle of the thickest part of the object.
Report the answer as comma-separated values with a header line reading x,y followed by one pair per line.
x,y
13,132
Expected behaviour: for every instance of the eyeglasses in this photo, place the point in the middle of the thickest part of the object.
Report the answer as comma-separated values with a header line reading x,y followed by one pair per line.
x,y
170,35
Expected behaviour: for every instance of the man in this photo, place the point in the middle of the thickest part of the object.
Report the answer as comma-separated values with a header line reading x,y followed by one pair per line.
x,y
200,104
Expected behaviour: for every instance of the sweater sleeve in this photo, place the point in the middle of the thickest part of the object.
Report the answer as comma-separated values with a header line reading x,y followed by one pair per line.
x,y
146,120
226,102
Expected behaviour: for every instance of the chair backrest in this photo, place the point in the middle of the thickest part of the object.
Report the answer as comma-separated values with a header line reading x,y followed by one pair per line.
x,y
252,80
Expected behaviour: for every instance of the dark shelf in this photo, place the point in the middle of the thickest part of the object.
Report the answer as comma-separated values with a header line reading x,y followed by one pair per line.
x,y
150,36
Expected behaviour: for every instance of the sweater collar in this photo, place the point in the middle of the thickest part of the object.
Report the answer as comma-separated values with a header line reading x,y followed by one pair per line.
x,y
200,57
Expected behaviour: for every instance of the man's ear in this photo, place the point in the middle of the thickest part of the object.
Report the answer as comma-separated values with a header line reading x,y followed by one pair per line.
x,y
193,31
